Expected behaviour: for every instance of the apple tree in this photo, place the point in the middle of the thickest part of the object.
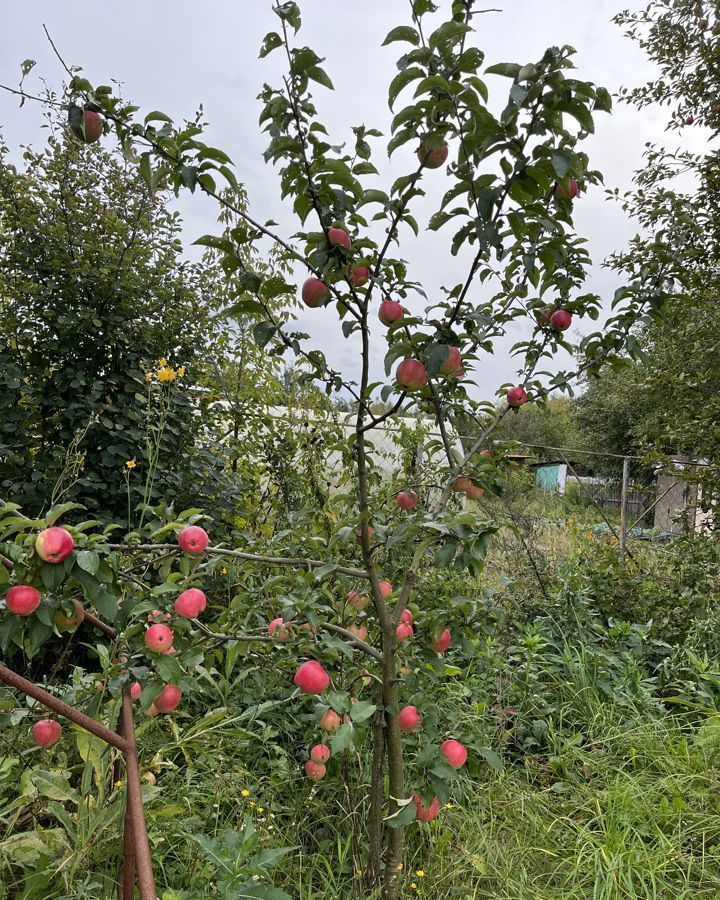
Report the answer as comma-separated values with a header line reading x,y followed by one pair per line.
x,y
350,624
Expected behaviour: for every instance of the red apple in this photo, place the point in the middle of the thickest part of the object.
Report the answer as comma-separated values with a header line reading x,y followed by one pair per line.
x,y
473,492
311,678
92,126
158,638
406,499
23,600
432,159
453,363
136,690
406,617
357,601
411,375
330,721
279,630
152,710
441,642
462,482
370,531
360,631
54,545
566,190
464,485
193,540
426,813
455,753
314,771
561,320
338,237
46,732
315,293
190,603
542,315
403,632
409,719
486,453
168,699
516,396
386,589
320,753
359,275
390,311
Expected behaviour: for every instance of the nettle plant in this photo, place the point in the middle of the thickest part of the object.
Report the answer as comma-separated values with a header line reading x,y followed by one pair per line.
x,y
357,641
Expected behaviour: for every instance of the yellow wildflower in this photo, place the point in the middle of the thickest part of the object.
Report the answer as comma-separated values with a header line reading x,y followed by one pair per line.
x,y
148,376
449,806
181,372
245,792
118,785
261,809
252,803
399,867
162,362
130,464
420,873
166,373
414,886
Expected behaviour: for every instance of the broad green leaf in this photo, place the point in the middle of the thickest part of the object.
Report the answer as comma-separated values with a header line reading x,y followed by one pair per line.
x,y
402,33
54,786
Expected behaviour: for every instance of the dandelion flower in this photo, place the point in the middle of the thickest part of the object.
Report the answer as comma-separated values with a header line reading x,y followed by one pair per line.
x,y
166,373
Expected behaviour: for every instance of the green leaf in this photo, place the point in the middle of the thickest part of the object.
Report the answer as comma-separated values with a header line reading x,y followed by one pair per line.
x,y
107,606
323,571
271,41
320,76
402,33
578,111
168,668
404,815
57,511
507,70
53,575
343,738
362,711
54,786
402,80
561,163
157,116
491,758
263,332
89,561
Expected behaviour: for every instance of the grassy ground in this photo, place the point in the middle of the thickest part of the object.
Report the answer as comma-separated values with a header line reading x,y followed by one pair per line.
x,y
618,797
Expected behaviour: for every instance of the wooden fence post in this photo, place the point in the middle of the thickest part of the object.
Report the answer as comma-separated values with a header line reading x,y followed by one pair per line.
x,y
623,504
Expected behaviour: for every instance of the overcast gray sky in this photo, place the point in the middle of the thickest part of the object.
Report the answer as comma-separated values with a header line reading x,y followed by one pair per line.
x,y
175,55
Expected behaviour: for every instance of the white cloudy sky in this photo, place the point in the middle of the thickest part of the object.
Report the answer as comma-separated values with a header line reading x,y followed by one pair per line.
x,y
175,55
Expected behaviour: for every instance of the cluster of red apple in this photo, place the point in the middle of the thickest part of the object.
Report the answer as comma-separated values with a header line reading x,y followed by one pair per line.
x,y
411,373
312,678
159,637
54,545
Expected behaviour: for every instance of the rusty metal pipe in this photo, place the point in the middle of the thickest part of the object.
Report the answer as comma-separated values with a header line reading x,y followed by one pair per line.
x,y
62,709
135,810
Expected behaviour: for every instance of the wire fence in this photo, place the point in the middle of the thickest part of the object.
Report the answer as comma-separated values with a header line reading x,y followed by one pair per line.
x,y
626,492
